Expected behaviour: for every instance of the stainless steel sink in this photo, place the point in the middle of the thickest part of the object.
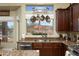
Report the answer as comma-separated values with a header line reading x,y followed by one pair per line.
x,y
42,40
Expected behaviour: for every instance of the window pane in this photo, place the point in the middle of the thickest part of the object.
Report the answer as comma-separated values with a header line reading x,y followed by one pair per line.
x,y
10,27
39,26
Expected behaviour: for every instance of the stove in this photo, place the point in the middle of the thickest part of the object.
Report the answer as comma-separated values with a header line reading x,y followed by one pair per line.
x,y
74,49
26,46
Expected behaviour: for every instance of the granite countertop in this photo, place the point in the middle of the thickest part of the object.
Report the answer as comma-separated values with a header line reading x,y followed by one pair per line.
x,y
19,52
48,41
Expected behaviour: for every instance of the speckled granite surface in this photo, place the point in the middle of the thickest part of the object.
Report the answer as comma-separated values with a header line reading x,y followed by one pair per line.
x,y
19,52
52,41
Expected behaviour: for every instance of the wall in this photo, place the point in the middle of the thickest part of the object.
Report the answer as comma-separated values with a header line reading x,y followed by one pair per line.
x,y
11,42
20,14
20,24
56,6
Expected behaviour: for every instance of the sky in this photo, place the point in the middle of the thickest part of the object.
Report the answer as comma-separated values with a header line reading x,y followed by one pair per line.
x,y
10,24
30,7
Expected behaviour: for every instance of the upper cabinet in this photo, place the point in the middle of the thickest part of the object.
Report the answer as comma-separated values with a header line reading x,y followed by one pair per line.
x,y
67,20
70,18
75,17
62,21
4,12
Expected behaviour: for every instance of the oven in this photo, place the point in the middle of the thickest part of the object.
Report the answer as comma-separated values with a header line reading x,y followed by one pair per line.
x,y
26,46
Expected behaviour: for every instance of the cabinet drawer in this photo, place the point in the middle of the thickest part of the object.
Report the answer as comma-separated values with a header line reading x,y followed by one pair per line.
x,y
56,45
37,45
47,45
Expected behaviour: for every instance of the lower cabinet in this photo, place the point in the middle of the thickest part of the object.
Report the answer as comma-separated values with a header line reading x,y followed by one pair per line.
x,y
50,49
56,51
36,46
46,52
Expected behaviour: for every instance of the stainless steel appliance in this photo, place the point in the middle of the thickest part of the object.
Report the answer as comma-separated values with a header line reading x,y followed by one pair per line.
x,y
74,49
26,46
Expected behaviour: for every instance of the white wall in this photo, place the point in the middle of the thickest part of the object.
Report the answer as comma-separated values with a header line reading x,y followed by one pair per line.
x,y
56,6
20,12
11,42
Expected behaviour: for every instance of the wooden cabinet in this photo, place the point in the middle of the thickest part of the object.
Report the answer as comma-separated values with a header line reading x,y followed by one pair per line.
x,y
62,21
36,46
47,45
70,17
59,20
59,49
50,49
75,17
67,20
46,52
4,12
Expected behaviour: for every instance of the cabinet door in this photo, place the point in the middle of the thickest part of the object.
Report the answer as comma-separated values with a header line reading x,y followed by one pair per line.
x,y
36,46
57,51
63,49
46,52
62,20
66,21
59,20
70,18
76,17
47,45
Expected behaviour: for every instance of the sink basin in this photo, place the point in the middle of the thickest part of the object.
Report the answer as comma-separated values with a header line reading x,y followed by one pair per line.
x,y
42,41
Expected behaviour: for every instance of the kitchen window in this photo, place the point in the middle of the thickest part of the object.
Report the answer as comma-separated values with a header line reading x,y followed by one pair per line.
x,y
6,29
40,19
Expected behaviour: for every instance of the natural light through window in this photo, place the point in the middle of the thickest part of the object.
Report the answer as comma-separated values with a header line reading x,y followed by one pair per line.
x,y
40,19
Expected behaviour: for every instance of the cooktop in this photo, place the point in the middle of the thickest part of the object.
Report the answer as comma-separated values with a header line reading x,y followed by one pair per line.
x,y
74,49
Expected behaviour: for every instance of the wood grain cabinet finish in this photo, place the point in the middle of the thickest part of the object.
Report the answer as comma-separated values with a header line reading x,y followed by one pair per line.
x,y
47,45
67,20
70,17
4,13
62,22
36,45
75,17
50,49
59,20
46,52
